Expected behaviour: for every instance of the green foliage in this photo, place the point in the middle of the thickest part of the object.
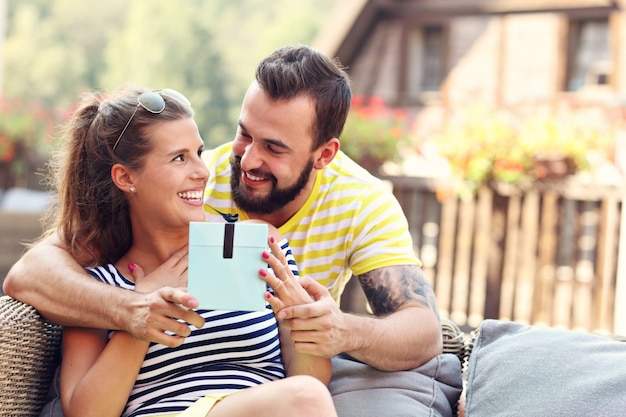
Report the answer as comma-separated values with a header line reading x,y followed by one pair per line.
x,y
207,49
53,50
157,53
247,30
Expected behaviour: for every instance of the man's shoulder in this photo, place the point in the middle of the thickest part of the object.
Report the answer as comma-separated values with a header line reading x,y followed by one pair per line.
x,y
217,192
217,161
343,172
217,156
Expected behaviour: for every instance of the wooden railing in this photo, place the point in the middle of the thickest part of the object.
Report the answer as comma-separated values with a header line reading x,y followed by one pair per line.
x,y
545,255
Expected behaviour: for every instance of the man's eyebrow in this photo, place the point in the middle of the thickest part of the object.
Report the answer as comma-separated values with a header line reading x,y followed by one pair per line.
x,y
274,142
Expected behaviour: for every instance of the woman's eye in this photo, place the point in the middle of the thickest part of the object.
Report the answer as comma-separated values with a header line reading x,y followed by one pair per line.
x,y
179,158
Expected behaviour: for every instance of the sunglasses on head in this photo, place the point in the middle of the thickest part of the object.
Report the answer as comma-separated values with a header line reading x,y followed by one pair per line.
x,y
153,102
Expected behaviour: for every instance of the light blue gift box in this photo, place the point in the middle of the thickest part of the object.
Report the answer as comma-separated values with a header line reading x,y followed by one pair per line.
x,y
224,263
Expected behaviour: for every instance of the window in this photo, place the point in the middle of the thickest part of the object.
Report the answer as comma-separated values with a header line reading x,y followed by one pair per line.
x,y
589,58
426,59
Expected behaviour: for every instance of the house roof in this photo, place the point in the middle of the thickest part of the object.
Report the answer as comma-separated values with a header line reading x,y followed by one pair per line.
x,y
496,6
338,27
352,19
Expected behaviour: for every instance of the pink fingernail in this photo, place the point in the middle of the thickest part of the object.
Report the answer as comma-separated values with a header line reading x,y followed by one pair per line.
x,y
263,272
272,240
132,267
266,255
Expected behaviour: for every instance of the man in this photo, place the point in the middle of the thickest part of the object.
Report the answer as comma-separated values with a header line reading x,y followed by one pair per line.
x,y
285,167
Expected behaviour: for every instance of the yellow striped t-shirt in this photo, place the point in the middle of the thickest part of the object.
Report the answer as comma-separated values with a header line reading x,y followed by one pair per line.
x,y
351,222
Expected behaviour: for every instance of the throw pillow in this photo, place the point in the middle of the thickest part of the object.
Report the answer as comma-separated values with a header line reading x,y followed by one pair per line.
x,y
520,370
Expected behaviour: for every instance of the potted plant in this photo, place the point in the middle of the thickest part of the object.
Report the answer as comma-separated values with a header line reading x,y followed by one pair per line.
x,y
25,140
373,132
485,145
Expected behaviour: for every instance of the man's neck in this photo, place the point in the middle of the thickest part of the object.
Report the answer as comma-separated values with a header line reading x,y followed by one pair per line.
x,y
277,218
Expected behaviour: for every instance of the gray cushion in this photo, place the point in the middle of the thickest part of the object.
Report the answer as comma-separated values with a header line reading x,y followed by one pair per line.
x,y
431,390
519,370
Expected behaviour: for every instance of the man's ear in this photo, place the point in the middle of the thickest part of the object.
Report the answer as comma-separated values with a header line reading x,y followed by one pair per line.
x,y
121,177
327,153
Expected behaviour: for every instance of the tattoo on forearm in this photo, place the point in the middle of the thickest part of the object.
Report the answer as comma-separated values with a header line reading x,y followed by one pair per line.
x,y
387,289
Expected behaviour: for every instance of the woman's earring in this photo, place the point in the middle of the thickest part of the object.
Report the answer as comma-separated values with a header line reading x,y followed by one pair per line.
x,y
132,189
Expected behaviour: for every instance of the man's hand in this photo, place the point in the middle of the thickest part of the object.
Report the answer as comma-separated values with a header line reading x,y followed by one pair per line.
x,y
155,316
404,334
159,305
318,328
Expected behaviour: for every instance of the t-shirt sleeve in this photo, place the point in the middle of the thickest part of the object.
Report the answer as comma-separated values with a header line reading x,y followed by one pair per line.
x,y
381,235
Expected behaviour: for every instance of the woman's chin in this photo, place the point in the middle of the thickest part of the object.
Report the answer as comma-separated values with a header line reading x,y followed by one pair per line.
x,y
198,217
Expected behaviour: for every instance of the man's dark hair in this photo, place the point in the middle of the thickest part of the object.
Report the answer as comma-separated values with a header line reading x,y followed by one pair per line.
x,y
294,70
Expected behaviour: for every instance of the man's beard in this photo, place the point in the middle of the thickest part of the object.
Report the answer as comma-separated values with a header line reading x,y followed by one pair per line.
x,y
277,198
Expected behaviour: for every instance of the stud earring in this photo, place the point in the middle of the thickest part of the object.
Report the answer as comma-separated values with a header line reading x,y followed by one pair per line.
x,y
132,189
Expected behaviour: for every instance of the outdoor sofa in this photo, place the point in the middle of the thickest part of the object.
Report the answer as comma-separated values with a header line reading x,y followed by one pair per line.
x,y
509,369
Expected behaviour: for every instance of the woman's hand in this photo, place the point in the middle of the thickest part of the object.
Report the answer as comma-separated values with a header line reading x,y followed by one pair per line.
x,y
286,286
172,273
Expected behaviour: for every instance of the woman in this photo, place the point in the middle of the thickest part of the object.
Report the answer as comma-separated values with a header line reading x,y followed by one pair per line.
x,y
129,181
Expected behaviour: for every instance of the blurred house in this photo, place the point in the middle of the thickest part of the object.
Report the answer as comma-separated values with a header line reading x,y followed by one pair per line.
x,y
418,52
545,254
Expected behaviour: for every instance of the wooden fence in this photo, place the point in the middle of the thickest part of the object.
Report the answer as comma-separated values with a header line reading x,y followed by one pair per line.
x,y
546,255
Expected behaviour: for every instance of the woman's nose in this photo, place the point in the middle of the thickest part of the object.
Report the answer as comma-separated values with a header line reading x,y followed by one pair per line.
x,y
200,169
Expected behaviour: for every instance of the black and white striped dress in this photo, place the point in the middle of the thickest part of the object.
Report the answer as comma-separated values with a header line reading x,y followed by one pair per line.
x,y
234,350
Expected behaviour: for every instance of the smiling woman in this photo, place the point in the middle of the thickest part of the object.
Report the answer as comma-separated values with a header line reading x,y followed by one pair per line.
x,y
130,181
114,167
169,174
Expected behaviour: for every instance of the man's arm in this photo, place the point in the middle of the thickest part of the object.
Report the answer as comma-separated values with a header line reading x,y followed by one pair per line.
x,y
404,334
48,278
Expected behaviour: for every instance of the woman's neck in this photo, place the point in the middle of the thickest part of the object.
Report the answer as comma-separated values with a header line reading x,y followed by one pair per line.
x,y
151,248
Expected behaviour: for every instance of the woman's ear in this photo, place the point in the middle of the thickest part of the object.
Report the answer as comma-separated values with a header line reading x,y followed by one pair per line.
x,y
327,153
121,177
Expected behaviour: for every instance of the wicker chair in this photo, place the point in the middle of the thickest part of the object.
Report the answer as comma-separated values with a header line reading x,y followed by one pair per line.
x,y
30,353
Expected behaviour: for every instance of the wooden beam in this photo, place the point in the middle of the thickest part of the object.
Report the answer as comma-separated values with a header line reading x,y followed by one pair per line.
x,y
471,7
619,314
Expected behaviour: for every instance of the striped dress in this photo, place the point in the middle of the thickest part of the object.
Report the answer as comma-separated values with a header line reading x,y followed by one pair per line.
x,y
351,222
234,350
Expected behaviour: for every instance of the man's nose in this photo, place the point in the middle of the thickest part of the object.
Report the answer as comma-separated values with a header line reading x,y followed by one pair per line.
x,y
251,157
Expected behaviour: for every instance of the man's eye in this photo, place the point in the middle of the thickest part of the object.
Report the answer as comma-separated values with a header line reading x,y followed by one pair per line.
x,y
277,150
